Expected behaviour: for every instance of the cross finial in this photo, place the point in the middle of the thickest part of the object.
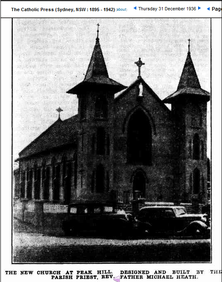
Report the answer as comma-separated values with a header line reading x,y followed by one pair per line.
x,y
189,45
97,31
59,110
139,64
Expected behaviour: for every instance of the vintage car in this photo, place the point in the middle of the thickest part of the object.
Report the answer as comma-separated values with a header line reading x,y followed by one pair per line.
x,y
97,218
171,220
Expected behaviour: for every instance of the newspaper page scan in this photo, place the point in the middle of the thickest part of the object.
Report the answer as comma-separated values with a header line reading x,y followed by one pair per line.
x,y
110,141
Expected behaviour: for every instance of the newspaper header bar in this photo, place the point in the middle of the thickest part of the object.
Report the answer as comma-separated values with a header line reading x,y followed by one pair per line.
x,y
111,9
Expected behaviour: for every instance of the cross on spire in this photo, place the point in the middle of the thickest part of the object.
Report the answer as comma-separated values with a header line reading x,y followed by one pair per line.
x,y
59,110
189,45
139,64
97,31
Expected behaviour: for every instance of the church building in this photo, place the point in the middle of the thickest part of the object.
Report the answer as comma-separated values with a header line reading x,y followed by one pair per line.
x,y
123,144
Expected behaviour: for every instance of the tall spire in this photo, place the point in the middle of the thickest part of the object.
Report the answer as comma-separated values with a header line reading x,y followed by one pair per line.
x,y
189,83
97,66
189,76
96,74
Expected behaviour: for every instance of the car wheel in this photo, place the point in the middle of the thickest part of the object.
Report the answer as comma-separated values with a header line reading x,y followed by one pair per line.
x,y
197,231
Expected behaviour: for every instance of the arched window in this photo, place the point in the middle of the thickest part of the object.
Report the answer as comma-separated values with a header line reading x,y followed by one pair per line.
x,y
196,181
100,148
139,139
101,107
139,185
196,147
100,177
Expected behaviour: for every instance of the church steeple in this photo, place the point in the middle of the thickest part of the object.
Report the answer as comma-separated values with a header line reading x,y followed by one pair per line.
x,y
97,66
97,75
189,83
189,76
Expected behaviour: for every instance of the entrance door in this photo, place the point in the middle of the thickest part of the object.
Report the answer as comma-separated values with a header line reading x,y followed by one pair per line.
x,y
139,185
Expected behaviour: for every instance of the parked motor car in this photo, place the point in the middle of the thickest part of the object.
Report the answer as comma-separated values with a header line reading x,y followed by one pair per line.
x,y
97,218
171,220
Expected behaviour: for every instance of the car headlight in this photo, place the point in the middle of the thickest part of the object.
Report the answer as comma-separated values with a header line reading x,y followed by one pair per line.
x,y
204,218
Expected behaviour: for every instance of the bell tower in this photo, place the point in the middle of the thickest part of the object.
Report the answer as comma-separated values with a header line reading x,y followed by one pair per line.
x,y
95,128
189,108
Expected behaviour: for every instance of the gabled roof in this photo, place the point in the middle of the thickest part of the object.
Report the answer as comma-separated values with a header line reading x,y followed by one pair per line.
x,y
97,75
139,80
60,133
189,83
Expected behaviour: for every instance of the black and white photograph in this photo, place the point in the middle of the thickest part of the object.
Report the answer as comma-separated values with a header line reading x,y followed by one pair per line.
x,y
111,141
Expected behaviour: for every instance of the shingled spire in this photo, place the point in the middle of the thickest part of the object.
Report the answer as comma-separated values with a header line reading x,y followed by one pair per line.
x,y
97,66
189,76
189,83
97,74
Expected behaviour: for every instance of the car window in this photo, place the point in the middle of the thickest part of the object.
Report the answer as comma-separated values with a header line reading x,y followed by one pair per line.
x,y
86,210
168,213
180,211
73,210
97,210
108,209
82,210
148,213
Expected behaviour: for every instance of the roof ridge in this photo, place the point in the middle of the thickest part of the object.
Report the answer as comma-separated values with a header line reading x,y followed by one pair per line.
x,y
38,137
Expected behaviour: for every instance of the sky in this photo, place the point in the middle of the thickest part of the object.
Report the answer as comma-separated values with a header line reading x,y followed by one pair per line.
x,y
50,56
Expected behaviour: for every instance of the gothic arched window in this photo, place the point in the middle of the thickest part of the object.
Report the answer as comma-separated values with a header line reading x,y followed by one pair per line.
x,y
196,181
100,148
101,107
196,147
100,177
139,139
